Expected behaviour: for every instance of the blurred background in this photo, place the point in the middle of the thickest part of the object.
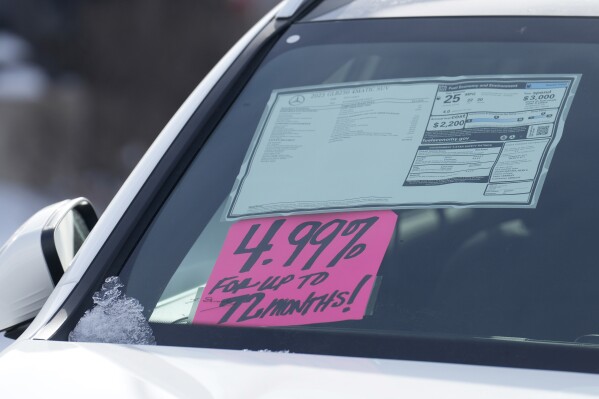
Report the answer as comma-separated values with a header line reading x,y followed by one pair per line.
x,y
86,85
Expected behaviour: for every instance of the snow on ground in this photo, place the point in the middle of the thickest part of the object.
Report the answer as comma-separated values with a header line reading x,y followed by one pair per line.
x,y
4,342
19,79
17,204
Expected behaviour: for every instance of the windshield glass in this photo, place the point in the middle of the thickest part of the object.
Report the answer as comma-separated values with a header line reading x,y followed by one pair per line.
x,y
420,177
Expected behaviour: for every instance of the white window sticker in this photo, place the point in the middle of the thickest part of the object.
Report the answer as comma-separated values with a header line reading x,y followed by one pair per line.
x,y
470,141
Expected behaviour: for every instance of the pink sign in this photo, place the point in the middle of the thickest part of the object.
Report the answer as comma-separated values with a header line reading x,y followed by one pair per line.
x,y
295,270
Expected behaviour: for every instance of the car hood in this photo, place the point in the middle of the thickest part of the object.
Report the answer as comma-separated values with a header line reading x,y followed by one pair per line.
x,y
76,370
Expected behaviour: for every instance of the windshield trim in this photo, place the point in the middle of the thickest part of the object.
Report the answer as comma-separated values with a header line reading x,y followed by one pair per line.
x,y
514,353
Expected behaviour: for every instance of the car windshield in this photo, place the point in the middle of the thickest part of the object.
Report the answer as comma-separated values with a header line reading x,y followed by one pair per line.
x,y
421,177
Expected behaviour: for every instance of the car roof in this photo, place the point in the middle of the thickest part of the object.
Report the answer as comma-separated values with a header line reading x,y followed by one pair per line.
x,y
360,9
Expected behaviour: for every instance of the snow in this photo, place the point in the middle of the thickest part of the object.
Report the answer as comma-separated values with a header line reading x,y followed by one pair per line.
x,y
267,351
115,318
13,48
17,204
20,80
4,342
23,82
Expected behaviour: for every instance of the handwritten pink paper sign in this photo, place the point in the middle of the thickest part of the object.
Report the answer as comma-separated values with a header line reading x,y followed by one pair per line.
x,y
295,270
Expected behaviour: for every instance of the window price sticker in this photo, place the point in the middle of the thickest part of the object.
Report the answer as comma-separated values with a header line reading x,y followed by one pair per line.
x,y
296,270
465,141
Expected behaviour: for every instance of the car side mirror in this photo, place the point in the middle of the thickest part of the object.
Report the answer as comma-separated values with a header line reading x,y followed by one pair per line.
x,y
34,259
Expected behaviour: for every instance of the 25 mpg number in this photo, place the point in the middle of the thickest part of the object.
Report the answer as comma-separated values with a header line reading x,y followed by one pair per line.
x,y
452,98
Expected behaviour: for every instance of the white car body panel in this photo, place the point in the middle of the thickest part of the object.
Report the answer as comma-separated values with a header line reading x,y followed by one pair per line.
x,y
76,370
448,8
289,8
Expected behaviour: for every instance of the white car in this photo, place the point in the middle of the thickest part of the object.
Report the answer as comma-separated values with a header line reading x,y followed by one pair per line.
x,y
363,199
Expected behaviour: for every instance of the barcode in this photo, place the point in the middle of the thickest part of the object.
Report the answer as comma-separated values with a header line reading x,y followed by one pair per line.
x,y
542,130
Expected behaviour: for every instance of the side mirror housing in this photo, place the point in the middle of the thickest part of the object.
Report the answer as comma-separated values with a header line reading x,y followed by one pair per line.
x,y
37,255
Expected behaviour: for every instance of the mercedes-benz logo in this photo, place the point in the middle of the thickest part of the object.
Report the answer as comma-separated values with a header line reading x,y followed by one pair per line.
x,y
296,100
